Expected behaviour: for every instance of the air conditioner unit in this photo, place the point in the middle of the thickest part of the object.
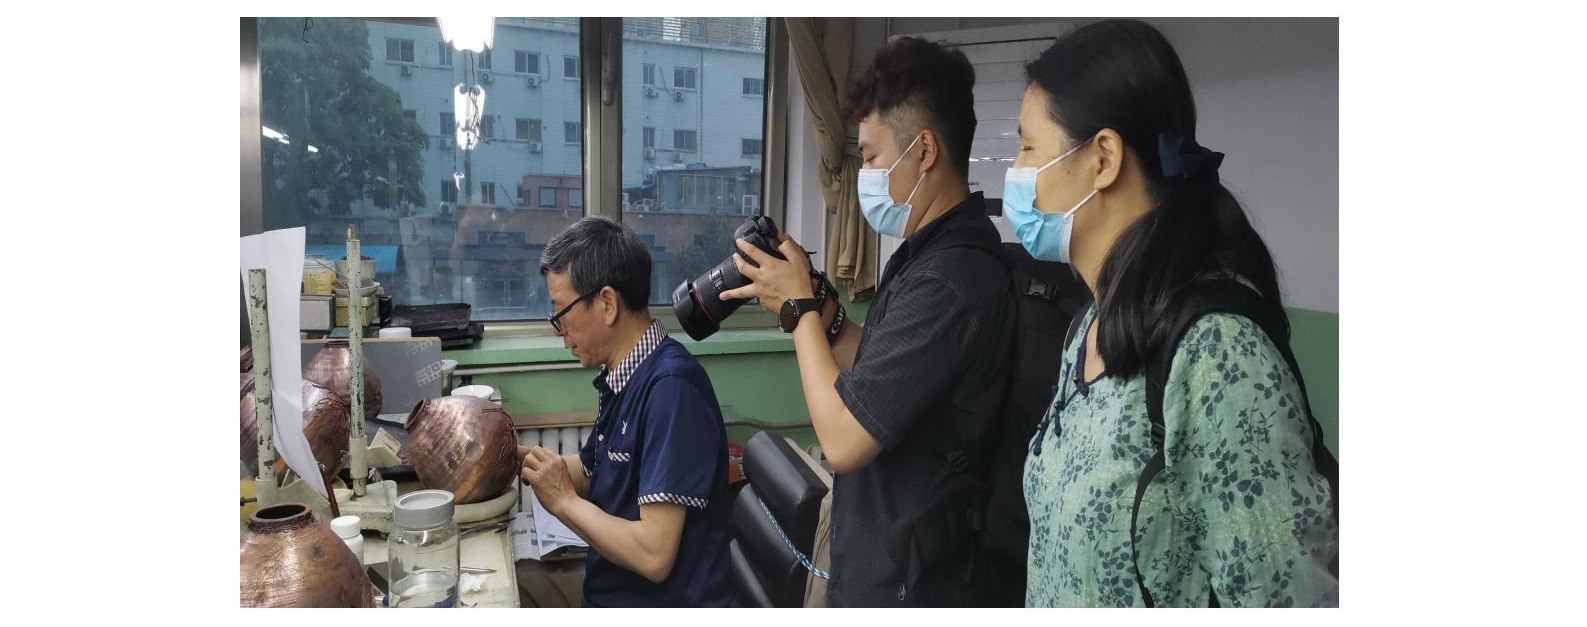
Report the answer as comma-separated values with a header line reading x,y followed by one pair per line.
x,y
446,143
533,82
407,70
446,207
751,204
650,154
650,91
677,157
535,147
678,96
485,78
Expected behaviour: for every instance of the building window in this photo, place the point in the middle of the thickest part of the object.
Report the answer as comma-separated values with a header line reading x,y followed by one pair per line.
x,y
527,129
685,140
524,62
570,67
684,77
487,193
399,50
487,126
445,55
548,197
448,124
725,170
570,132
484,58
575,198
448,190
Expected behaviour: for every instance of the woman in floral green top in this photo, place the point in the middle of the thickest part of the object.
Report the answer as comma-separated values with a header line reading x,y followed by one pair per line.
x,y
1110,180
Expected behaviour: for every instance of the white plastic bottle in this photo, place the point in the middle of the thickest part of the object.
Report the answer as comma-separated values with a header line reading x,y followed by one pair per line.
x,y
347,528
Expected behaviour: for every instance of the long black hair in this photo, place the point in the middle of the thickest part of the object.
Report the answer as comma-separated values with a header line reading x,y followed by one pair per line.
x,y
1124,75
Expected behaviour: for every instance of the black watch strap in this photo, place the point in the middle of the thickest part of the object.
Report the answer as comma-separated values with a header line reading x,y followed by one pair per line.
x,y
796,308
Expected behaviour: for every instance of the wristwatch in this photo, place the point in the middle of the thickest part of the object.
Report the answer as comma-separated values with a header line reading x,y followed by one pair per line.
x,y
792,309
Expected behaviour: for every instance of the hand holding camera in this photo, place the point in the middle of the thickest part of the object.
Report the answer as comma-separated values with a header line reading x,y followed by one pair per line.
x,y
770,266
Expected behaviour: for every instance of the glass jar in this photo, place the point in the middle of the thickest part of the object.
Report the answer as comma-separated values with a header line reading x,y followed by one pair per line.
x,y
423,562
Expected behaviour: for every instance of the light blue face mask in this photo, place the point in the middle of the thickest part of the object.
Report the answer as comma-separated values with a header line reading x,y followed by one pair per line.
x,y
876,201
1044,235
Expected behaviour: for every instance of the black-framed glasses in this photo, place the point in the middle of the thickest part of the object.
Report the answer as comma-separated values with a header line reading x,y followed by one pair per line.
x,y
556,321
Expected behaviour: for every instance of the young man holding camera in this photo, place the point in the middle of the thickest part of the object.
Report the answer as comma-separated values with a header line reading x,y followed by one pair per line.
x,y
905,407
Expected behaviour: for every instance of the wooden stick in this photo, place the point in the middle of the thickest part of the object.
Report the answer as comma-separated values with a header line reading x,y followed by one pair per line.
x,y
330,492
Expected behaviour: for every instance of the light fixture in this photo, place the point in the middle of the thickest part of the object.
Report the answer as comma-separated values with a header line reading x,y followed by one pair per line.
x,y
313,149
473,34
468,106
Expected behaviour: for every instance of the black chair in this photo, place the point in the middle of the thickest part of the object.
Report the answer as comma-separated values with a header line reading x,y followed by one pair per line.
x,y
766,571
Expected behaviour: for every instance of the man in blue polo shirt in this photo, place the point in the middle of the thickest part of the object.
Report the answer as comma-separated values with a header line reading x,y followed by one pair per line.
x,y
648,490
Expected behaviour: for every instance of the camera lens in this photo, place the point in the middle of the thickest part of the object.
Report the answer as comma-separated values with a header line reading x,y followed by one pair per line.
x,y
698,303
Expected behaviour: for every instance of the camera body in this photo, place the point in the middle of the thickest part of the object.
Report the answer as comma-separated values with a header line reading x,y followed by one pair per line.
x,y
698,303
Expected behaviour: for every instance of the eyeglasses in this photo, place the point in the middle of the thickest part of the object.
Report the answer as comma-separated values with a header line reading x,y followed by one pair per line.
x,y
556,321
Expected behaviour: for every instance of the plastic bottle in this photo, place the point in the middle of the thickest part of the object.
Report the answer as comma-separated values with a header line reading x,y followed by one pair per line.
x,y
348,529
424,551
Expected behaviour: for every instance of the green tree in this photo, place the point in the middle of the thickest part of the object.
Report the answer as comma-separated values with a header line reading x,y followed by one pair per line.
x,y
315,88
712,244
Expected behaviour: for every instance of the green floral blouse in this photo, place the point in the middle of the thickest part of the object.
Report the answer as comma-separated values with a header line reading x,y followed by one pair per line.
x,y
1239,508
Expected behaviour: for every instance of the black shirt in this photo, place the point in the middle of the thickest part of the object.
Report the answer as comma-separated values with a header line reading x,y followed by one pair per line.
x,y
933,362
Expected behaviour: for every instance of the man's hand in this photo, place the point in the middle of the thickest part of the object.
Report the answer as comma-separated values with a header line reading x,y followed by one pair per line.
x,y
775,281
545,472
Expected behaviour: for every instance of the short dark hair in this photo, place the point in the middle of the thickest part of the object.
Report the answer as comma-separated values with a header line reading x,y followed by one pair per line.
x,y
914,84
599,251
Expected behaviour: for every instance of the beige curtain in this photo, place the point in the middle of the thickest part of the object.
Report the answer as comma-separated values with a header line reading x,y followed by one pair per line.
x,y
822,50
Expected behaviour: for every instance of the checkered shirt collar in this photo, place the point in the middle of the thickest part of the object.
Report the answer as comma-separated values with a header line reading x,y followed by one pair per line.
x,y
617,378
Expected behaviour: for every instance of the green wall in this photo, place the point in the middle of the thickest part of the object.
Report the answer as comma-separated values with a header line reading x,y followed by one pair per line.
x,y
1314,336
765,385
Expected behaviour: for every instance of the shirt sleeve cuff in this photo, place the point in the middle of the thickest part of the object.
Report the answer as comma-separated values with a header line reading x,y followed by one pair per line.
x,y
675,499
862,413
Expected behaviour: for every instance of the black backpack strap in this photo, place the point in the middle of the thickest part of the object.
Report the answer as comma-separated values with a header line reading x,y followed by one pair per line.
x,y
1197,300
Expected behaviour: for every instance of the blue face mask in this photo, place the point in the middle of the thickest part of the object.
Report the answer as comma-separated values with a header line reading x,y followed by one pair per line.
x,y
1044,235
876,201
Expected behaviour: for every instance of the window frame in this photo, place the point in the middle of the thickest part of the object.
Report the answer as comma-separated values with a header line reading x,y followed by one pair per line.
x,y
745,83
578,71
412,54
444,53
694,136
525,54
696,75
600,133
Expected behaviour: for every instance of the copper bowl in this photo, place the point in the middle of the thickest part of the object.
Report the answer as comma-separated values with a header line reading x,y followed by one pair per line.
x,y
332,368
326,423
289,559
463,445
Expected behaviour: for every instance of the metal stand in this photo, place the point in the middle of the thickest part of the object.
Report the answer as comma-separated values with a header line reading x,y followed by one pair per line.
x,y
259,328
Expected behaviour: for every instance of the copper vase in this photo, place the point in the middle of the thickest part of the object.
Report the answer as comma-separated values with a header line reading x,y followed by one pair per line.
x,y
250,432
289,559
464,445
331,368
326,424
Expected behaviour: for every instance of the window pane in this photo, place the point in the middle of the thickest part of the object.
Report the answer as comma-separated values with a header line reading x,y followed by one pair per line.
x,y
484,58
445,53
374,166
548,197
689,223
570,67
570,132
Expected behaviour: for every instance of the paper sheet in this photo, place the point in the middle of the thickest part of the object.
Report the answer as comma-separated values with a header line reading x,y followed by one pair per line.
x,y
536,533
280,253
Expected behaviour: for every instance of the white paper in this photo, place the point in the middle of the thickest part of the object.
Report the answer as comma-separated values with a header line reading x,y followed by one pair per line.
x,y
536,533
280,253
